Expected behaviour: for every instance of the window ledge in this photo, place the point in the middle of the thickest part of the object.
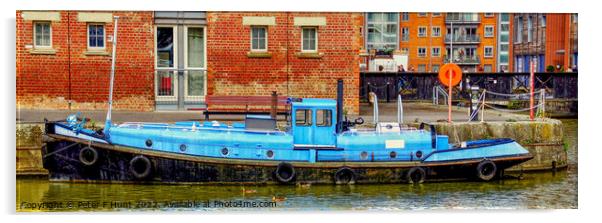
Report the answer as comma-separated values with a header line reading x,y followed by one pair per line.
x,y
48,51
258,54
96,53
314,55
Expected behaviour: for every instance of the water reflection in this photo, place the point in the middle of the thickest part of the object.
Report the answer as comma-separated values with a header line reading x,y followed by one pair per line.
x,y
536,190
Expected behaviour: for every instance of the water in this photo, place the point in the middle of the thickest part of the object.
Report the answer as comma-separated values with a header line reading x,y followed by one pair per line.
x,y
536,190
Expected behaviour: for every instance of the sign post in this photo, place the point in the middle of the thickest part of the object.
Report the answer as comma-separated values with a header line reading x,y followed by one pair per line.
x,y
531,86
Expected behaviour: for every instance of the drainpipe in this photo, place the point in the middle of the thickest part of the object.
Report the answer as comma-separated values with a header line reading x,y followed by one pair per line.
x,y
69,55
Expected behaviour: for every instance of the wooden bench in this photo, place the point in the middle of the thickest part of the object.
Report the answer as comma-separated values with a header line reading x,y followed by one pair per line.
x,y
245,105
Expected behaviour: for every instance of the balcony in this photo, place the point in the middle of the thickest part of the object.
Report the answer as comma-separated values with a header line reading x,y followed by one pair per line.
x,y
464,60
463,39
463,18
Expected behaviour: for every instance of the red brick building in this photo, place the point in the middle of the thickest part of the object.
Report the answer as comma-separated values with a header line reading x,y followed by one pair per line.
x,y
172,60
283,59
57,68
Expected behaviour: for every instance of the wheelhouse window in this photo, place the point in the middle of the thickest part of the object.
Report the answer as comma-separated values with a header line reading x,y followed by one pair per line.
x,y
324,117
303,117
96,37
42,34
259,40
309,39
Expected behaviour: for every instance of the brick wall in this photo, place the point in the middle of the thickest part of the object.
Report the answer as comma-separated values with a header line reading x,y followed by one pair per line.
x,y
231,71
71,73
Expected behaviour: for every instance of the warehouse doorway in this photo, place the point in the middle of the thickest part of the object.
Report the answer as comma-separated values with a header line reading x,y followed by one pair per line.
x,y
180,60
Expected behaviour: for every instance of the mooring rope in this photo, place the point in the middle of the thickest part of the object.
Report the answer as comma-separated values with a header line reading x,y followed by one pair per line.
x,y
60,150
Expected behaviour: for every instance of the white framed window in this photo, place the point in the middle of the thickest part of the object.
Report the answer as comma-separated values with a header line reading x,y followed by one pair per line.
x,y
405,16
405,34
436,51
42,35
309,39
166,54
195,63
422,14
436,14
529,29
421,31
488,14
488,51
421,51
96,36
421,68
543,20
436,31
259,38
489,32
435,68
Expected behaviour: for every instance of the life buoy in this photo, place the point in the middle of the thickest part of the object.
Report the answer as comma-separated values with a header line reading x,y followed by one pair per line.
x,y
344,175
88,156
285,173
140,167
416,175
444,74
486,170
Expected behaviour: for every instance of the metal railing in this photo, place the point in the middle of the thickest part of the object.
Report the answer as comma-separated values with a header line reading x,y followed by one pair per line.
x,y
419,85
475,59
459,39
462,18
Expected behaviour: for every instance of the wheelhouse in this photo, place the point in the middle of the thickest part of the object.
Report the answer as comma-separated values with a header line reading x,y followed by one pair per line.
x,y
314,122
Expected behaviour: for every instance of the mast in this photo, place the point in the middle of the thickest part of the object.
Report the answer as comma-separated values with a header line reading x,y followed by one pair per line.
x,y
108,120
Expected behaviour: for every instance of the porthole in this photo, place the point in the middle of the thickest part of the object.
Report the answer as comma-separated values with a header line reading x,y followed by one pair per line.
x,y
393,154
270,154
419,154
225,151
149,143
364,155
183,147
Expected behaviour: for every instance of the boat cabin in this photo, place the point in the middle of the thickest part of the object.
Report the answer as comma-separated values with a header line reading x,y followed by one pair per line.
x,y
313,123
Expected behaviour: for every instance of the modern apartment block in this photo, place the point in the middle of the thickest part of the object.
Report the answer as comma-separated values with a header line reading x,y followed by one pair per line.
x,y
422,40
544,39
425,39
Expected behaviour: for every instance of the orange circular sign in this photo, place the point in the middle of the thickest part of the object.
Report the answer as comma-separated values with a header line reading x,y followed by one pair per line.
x,y
444,74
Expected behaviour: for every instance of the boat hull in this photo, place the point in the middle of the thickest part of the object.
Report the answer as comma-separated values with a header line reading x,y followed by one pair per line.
x,y
62,158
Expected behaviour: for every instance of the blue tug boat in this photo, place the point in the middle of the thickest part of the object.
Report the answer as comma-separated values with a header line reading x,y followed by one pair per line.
x,y
318,145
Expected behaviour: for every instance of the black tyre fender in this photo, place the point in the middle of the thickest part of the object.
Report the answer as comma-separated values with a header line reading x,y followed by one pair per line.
x,y
285,173
345,175
416,175
486,170
140,166
88,156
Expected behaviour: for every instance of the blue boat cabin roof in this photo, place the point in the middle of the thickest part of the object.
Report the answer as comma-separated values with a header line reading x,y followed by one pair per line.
x,y
316,102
